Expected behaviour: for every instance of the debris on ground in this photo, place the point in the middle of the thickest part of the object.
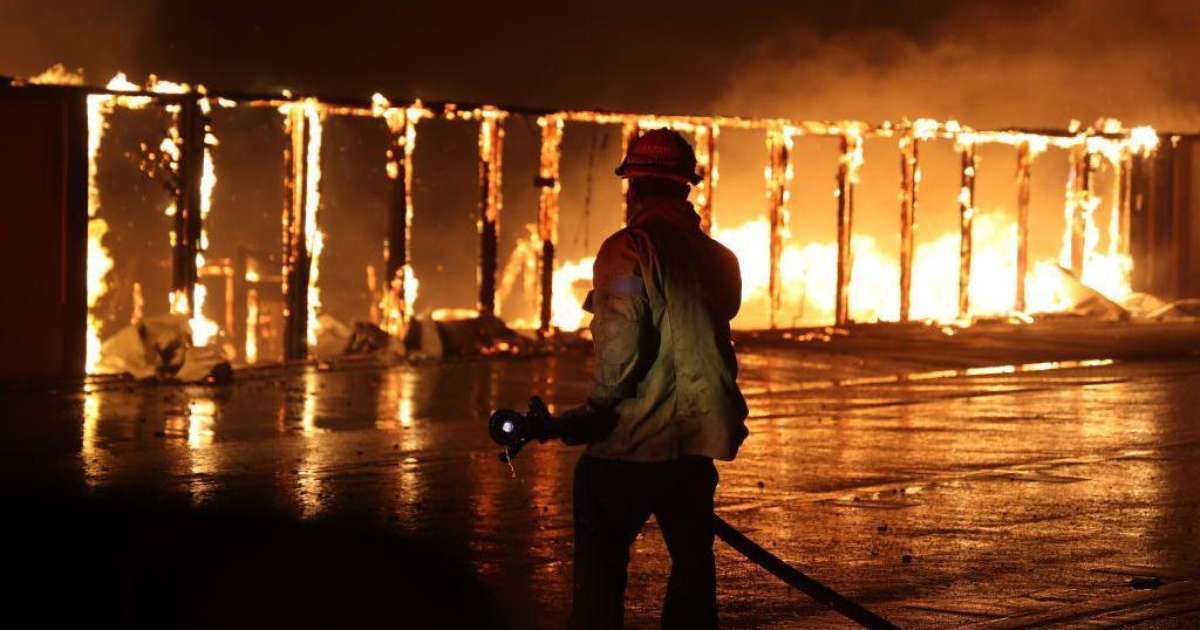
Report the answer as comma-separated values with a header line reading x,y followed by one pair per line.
x,y
161,348
436,337
1086,301
368,338
1179,311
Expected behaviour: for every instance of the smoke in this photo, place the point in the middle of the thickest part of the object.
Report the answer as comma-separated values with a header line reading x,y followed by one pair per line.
x,y
1010,64
98,37
1006,63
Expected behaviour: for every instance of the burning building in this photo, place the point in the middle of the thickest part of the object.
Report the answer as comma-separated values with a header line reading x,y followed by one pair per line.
x,y
261,288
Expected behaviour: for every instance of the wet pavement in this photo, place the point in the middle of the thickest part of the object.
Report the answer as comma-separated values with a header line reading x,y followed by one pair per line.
x,y
1007,496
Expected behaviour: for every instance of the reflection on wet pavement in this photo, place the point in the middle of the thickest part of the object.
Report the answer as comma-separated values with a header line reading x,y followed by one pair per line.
x,y
945,498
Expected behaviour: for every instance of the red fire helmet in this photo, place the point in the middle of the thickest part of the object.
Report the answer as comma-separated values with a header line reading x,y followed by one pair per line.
x,y
660,153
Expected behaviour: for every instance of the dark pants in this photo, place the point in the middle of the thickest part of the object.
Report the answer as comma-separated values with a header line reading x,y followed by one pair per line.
x,y
613,500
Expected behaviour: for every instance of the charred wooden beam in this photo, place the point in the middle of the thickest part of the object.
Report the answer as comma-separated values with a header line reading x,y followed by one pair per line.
x,y
778,172
847,178
192,124
396,247
1079,205
396,309
295,250
706,165
1159,220
548,192
910,178
1024,174
1124,201
238,332
1140,226
231,282
491,149
1183,222
966,214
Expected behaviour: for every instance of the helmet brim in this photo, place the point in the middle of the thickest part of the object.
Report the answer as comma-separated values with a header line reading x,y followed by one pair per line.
x,y
626,171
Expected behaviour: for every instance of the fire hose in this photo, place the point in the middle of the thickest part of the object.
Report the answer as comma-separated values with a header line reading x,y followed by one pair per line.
x,y
513,430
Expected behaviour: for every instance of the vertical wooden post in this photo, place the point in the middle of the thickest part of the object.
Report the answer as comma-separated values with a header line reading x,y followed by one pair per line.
x,y
778,173
491,148
1124,205
1024,174
966,214
1141,210
1079,196
240,290
549,189
847,178
1163,171
1182,220
910,177
191,123
706,164
295,251
397,309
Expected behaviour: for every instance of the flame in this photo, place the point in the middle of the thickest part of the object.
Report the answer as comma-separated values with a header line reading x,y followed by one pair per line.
x,y
313,114
522,266
566,306
154,84
251,326
99,260
98,265
402,123
1143,140
314,238
808,270
58,75
453,314
204,328
411,285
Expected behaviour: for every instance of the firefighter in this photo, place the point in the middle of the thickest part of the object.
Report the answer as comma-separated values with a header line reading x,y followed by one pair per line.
x,y
665,375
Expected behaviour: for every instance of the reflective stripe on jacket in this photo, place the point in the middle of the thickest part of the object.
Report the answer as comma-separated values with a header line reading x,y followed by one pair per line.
x,y
664,293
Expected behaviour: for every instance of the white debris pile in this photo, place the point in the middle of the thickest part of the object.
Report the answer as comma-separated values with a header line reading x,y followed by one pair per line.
x,y
161,348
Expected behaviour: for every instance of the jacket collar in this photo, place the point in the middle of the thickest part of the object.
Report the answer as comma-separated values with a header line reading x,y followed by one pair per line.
x,y
678,213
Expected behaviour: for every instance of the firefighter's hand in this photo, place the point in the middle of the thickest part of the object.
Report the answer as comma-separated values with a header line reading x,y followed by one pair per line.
x,y
585,424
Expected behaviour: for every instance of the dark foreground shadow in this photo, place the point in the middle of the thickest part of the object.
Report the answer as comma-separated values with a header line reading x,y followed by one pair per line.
x,y
132,563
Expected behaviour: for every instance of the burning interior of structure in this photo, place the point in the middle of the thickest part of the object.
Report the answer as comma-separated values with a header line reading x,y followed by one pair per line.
x,y
1093,217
